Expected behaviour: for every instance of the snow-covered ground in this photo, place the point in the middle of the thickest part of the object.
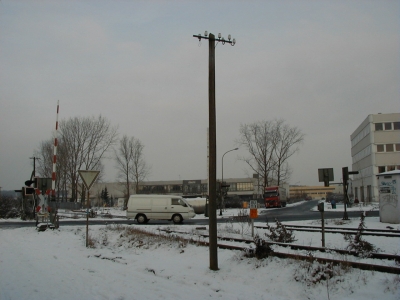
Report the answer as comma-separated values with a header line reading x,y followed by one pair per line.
x,y
127,264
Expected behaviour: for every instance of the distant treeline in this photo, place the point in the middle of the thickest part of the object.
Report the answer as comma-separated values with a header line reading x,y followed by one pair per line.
x,y
11,194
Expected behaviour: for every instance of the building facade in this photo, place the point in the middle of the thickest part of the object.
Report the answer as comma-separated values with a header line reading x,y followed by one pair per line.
x,y
242,188
315,192
375,148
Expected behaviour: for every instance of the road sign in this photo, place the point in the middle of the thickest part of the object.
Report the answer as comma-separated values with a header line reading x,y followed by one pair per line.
x,y
253,204
325,175
88,177
253,213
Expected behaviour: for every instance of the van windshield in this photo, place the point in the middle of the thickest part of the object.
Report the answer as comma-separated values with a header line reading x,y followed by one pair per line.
x,y
178,201
187,203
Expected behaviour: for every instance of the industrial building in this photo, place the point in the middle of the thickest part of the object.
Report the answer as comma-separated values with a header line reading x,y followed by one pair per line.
x,y
375,148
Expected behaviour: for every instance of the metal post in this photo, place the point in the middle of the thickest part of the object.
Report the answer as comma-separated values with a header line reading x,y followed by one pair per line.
x,y
87,220
222,179
345,198
323,229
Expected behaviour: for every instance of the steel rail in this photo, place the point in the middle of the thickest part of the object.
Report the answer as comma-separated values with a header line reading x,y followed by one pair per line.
x,y
358,265
335,231
299,247
344,228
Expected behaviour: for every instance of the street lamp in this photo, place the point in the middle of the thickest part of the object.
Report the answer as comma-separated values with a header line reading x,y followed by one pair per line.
x,y
222,179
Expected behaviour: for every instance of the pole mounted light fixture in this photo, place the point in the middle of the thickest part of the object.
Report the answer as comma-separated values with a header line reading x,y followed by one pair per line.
x,y
221,39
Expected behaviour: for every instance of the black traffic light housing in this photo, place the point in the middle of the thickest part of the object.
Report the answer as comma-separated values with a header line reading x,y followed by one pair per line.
x,y
321,206
346,173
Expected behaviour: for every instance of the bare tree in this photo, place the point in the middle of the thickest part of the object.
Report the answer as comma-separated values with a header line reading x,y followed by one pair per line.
x,y
123,158
286,141
86,141
132,168
257,138
45,163
270,144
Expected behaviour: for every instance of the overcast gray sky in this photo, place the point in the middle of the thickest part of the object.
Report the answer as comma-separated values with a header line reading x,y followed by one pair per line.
x,y
323,66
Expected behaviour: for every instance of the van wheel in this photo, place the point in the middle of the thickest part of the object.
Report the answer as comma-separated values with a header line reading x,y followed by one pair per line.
x,y
141,219
177,219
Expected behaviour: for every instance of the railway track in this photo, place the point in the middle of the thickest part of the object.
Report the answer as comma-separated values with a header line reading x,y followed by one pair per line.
x,y
299,256
372,232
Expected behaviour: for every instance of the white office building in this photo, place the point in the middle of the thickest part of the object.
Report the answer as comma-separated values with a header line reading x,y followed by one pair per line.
x,y
375,148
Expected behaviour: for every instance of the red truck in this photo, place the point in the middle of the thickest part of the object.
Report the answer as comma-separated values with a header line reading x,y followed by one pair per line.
x,y
275,196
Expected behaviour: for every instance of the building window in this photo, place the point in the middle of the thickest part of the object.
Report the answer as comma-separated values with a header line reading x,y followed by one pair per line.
x,y
378,126
396,125
389,148
381,169
244,186
380,148
397,147
391,168
388,126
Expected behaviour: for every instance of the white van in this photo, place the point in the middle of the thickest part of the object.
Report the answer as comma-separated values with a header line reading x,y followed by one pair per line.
x,y
158,207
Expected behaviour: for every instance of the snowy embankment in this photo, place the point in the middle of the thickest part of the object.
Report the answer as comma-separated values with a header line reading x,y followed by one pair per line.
x,y
125,263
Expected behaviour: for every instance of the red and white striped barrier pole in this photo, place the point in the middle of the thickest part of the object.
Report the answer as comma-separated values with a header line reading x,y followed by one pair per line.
x,y
53,175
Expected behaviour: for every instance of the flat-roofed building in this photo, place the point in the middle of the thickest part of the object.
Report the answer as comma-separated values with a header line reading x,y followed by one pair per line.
x,y
315,192
242,188
375,148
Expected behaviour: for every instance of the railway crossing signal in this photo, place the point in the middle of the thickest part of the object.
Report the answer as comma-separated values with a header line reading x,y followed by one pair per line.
x,y
345,176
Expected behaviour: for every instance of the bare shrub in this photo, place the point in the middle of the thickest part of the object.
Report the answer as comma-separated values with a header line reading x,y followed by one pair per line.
x,y
243,219
280,233
142,239
393,285
229,228
311,272
91,242
357,243
262,250
9,208
116,227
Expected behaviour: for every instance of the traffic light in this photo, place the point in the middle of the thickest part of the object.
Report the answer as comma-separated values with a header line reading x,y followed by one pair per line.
x,y
27,191
346,173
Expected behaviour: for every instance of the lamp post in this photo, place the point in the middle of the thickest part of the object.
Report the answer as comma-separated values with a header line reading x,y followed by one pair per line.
x,y
212,170
222,179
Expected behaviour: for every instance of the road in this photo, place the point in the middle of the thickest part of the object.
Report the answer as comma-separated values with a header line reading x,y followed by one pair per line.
x,y
293,213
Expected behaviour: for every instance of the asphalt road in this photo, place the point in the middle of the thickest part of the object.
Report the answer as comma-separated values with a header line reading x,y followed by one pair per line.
x,y
294,213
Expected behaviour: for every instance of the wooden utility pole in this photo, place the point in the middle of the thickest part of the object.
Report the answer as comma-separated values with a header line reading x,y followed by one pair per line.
x,y
212,170
34,165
